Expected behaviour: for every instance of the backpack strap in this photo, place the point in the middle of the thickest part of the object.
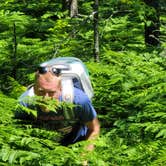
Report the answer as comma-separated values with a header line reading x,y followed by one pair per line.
x,y
67,90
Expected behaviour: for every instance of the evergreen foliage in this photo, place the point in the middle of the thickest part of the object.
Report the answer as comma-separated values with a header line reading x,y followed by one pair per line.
x,y
129,82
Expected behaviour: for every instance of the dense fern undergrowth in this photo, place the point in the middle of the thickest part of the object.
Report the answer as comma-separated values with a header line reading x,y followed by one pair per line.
x,y
129,82
130,101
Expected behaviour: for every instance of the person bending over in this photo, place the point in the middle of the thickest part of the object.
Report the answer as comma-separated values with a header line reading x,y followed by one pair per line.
x,y
84,125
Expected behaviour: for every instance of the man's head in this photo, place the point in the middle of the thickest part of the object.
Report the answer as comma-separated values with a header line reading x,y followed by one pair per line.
x,y
47,85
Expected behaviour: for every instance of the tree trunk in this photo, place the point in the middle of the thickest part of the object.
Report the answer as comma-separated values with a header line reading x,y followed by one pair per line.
x,y
73,8
14,58
96,31
152,24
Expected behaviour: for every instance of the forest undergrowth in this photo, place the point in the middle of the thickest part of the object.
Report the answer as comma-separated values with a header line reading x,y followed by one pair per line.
x,y
130,101
129,81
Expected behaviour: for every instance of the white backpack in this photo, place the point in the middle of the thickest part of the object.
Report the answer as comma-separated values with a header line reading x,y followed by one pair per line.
x,y
74,74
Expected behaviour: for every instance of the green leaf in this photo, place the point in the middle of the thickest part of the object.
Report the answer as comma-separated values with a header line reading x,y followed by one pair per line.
x,y
162,133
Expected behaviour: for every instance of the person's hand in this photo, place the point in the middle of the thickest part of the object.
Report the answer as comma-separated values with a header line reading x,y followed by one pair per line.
x,y
85,163
90,147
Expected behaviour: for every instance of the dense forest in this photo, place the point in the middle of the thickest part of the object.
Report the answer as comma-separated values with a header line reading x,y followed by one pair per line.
x,y
123,44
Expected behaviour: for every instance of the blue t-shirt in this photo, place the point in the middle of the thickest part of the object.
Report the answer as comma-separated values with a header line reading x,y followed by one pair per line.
x,y
83,112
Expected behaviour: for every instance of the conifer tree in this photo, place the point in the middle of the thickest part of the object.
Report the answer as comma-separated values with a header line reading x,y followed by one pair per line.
x,y
152,25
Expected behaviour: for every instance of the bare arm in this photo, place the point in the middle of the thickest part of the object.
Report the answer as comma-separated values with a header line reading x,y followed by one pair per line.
x,y
93,129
